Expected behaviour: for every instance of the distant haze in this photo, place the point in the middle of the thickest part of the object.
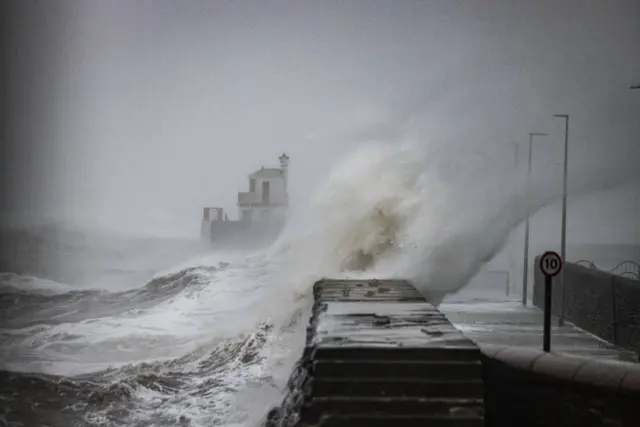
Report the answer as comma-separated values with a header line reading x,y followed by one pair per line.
x,y
132,116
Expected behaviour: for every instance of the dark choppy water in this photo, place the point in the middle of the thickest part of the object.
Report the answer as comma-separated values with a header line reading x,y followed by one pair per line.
x,y
84,344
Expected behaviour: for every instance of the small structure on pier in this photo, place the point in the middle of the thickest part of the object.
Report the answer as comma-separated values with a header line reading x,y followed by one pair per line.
x,y
262,210
267,199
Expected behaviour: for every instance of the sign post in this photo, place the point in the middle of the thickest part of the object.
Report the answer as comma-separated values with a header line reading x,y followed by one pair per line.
x,y
550,265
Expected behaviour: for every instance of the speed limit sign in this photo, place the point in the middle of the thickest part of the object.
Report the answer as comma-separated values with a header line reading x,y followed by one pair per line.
x,y
550,264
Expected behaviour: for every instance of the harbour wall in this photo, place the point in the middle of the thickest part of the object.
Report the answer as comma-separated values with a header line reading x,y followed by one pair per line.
x,y
526,387
602,303
378,354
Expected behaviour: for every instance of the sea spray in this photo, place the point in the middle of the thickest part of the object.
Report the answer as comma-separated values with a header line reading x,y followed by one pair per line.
x,y
378,207
395,210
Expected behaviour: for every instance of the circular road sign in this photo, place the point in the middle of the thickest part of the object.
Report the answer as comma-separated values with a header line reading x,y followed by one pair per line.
x,y
550,263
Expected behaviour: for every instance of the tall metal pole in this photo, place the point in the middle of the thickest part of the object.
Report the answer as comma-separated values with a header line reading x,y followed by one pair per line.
x,y
515,146
563,244
515,235
525,269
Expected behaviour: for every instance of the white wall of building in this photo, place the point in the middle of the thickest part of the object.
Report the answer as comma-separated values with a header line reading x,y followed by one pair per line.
x,y
261,213
250,201
277,189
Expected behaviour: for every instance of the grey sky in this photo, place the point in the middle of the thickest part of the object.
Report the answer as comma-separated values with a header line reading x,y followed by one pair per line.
x,y
161,107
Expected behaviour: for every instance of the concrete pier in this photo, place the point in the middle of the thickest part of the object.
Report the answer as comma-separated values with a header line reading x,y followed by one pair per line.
x,y
378,354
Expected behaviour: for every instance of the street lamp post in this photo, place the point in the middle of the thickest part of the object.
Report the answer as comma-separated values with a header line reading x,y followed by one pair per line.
x,y
563,244
525,269
514,237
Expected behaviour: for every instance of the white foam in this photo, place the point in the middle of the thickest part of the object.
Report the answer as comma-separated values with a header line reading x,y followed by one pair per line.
x,y
11,282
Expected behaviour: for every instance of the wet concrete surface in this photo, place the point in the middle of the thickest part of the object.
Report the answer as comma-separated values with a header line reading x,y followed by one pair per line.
x,y
509,323
413,325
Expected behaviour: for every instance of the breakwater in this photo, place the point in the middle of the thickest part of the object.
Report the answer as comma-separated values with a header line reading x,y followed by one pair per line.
x,y
378,354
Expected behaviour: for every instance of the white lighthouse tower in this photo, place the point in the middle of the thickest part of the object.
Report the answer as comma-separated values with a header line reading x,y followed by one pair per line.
x,y
284,167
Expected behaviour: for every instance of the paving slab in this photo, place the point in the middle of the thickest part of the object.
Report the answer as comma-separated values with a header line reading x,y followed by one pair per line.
x,y
389,324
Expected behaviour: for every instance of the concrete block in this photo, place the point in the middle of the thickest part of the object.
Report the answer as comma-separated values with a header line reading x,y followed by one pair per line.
x,y
398,353
559,367
373,420
408,387
410,369
492,350
337,405
601,373
519,357
631,380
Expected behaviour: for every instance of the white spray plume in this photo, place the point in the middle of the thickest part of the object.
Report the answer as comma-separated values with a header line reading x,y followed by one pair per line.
x,y
399,211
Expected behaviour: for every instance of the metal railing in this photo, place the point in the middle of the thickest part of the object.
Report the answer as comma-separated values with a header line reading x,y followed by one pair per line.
x,y
630,269
618,323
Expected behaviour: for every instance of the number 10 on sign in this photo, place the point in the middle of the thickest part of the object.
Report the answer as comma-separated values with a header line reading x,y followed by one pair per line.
x,y
550,265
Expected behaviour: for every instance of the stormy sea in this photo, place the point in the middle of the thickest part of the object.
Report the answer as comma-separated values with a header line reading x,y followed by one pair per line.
x,y
99,330
103,329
